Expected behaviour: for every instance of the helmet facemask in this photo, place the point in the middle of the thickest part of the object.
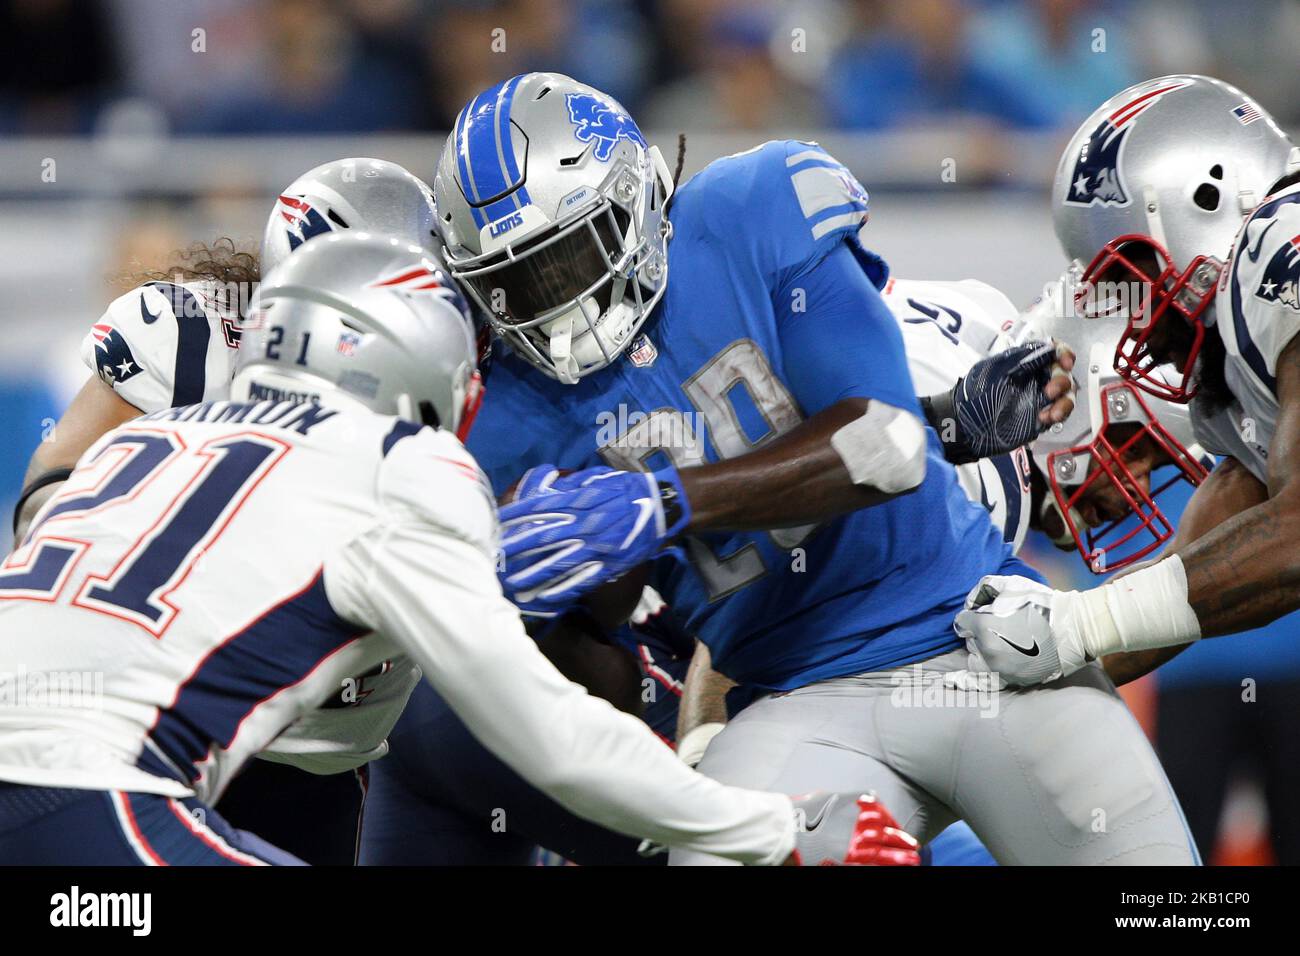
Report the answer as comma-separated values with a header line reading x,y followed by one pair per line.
x,y
571,297
1134,277
1104,462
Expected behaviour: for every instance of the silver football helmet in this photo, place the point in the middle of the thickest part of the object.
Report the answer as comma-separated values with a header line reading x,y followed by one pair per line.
x,y
370,194
1091,448
362,319
1147,199
551,206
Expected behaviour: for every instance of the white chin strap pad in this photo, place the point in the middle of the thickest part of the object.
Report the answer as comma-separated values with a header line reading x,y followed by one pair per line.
x,y
884,449
572,343
560,348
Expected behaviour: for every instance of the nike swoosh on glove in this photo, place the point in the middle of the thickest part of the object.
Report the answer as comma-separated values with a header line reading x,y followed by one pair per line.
x,y
584,529
845,829
1008,629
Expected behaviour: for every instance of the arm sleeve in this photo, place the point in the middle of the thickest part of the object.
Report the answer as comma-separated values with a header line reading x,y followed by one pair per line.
x,y
839,339
425,578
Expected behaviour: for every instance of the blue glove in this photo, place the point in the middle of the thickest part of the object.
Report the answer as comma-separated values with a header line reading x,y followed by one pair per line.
x,y
576,532
994,408
538,480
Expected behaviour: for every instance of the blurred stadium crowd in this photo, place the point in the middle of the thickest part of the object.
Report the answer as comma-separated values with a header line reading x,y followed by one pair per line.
x,y
335,66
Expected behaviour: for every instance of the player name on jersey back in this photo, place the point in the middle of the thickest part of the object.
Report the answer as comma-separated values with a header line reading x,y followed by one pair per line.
x,y
183,566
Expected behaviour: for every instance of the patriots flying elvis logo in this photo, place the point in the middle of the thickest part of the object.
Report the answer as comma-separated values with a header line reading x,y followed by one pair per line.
x,y
1281,279
1095,179
304,221
595,119
113,358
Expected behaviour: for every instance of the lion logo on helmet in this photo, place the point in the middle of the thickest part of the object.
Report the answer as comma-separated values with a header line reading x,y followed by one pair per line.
x,y
595,119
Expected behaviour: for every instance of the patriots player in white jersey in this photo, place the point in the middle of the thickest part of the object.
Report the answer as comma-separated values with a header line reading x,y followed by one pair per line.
x,y
356,526
173,341
1199,213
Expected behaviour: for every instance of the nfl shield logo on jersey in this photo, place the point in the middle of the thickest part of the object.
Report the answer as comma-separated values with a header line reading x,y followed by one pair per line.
x,y
643,352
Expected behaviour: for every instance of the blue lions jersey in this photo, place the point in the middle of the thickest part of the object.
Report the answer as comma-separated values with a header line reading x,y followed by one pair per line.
x,y
772,313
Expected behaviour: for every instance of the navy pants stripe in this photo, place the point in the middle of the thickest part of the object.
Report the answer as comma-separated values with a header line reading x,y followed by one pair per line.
x,y
67,827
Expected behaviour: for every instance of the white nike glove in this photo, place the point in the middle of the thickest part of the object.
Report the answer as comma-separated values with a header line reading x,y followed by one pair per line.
x,y
1013,627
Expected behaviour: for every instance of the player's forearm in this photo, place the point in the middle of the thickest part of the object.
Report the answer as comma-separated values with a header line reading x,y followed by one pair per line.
x,y
1246,573
703,711
803,477
703,694
597,762
605,670
1123,668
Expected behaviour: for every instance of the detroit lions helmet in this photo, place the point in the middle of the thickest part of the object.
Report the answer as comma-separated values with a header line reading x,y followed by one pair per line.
x,y
359,193
1090,447
359,319
1148,196
551,207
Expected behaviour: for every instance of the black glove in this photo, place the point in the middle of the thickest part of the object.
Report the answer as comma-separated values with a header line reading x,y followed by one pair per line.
x,y
994,408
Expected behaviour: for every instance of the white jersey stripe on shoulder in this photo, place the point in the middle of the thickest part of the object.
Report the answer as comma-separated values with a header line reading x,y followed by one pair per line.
x,y
836,222
131,830
806,155
822,187
211,838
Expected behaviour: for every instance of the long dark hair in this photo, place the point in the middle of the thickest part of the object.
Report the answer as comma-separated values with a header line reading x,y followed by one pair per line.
x,y
221,262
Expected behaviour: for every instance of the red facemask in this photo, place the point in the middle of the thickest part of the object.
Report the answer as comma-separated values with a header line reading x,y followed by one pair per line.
x,y
473,401
1146,301
1113,545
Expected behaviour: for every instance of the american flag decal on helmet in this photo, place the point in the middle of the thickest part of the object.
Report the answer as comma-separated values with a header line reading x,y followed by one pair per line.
x,y
1246,113
1096,176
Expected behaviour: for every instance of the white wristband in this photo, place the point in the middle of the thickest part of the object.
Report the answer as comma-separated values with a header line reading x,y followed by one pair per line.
x,y
690,749
1142,610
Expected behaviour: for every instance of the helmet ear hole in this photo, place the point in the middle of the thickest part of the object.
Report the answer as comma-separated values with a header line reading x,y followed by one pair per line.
x,y
1206,196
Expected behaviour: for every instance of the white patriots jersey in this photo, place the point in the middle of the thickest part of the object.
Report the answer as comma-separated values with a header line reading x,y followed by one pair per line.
x,y
163,345
1257,312
184,567
210,574
947,328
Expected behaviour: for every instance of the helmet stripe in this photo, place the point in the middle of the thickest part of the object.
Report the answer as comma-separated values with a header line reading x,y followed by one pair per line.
x,y
461,146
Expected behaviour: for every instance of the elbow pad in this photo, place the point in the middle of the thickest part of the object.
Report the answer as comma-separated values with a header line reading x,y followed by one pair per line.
x,y
884,449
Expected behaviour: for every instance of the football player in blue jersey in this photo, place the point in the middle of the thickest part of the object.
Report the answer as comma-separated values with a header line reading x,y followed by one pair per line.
x,y
759,410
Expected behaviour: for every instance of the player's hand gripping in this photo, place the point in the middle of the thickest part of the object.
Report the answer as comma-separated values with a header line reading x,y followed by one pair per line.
x,y
1004,401
843,829
1013,628
566,534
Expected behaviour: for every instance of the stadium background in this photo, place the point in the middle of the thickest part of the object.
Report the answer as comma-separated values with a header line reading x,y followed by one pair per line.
x,y
131,128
